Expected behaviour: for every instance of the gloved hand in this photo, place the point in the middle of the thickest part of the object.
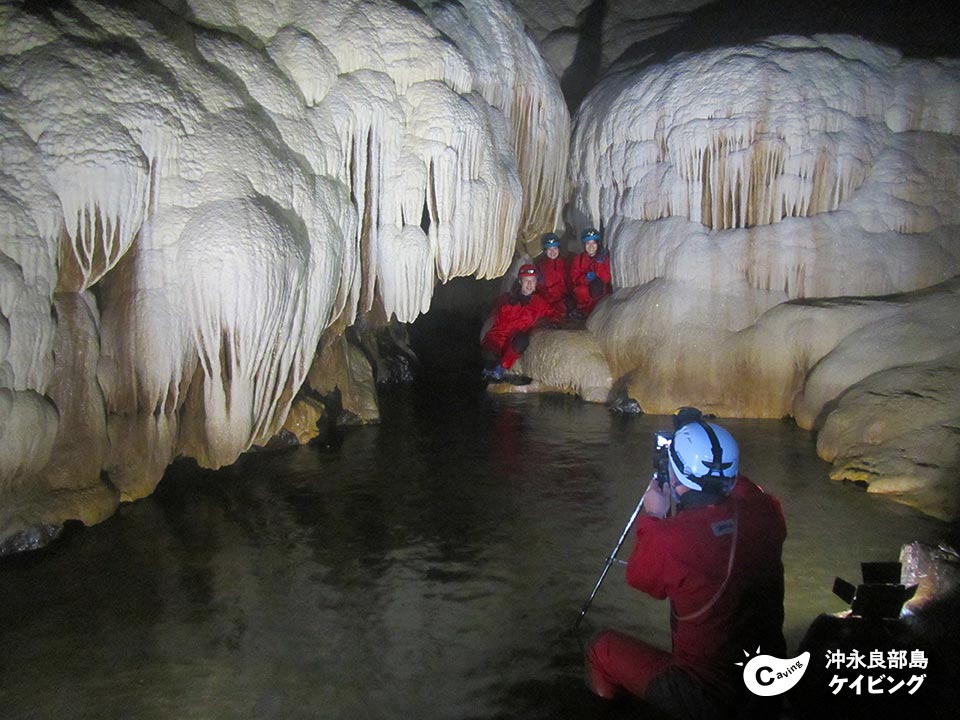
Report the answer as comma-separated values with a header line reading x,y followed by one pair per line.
x,y
591,276
656,500
595,287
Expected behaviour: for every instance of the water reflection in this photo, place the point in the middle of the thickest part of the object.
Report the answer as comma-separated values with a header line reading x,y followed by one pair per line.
x,y
429,567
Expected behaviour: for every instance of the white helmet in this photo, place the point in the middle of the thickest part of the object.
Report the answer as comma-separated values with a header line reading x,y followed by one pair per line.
x,y
704,454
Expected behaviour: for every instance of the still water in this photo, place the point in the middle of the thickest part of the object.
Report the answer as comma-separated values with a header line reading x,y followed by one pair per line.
x,y
428,567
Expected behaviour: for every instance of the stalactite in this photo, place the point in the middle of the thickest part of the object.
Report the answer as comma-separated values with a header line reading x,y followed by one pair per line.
x,y
233,184
775,170
764,158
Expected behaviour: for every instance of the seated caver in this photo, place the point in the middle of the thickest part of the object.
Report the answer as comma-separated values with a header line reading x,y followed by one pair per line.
x,y
590,273
514,316
554,277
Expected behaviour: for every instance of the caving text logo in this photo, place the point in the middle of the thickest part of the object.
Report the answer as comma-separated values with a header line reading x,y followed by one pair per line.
x,y
766,675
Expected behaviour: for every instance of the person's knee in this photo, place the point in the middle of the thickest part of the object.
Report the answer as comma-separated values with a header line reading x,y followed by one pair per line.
x,y
520,342
618,661
596,648
597,667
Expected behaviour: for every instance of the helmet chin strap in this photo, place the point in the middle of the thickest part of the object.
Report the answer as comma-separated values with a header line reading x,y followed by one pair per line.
x,y
675,496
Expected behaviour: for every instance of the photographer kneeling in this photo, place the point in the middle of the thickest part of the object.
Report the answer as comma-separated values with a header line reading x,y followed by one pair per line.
x,y
718,559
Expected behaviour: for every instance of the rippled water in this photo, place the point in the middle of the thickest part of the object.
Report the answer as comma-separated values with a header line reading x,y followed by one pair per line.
x,y
428,567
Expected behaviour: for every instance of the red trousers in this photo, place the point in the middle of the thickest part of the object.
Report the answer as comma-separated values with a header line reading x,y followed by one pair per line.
x,y
616,662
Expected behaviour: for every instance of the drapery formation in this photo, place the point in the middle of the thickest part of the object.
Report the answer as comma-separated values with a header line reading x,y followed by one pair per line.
x,y
220,190
784,222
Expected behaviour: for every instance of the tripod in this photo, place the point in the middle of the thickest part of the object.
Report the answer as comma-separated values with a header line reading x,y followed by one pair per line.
x,y
611,559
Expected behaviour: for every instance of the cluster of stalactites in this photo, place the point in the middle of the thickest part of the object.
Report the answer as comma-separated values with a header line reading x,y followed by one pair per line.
x,y
451,134
448,172
741,178
221,190
510,76
749,136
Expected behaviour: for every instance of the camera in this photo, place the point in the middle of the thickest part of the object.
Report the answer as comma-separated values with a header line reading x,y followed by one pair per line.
x,y
661,455
663,439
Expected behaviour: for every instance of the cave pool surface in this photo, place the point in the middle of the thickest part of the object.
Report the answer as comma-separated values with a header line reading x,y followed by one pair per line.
x,y
427,567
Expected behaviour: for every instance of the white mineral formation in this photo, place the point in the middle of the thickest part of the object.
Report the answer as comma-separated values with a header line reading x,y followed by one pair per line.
x,y
784,222
187,204
568,361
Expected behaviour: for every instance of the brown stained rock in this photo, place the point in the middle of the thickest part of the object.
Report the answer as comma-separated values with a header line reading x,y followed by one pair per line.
x,y
305,419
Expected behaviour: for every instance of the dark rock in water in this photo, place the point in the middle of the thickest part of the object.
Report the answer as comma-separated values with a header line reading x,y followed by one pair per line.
x,y
31,539
283,439
396,370
626,406
387,349
347,418
513,379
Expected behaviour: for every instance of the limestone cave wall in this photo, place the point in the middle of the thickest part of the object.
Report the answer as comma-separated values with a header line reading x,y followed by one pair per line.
x,y
195,193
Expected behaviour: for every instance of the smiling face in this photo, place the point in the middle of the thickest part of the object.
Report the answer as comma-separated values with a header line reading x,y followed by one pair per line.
x,y
528,284
553,253
591,247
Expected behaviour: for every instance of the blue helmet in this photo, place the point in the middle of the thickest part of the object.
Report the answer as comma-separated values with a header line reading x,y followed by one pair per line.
x,y
590,234
551,240
705,456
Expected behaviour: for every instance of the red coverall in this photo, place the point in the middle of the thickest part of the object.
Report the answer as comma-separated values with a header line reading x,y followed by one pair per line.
x,y
516,313
721,604
554,284
599,264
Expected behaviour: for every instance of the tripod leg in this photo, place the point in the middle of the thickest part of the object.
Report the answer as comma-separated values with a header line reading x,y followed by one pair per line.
x,y
610,560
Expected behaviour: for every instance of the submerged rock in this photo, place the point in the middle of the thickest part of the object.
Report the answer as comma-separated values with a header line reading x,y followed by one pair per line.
x,y
626,406
32,538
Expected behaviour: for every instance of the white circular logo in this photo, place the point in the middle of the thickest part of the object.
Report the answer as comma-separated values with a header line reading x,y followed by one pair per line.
x,y
767,675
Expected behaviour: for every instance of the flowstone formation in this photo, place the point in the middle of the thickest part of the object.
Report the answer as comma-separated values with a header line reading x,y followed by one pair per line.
x,y
187,205
784,222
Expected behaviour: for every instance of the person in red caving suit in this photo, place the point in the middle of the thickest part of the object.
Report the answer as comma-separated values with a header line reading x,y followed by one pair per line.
x,y
590,273
554,277
718,560
515,315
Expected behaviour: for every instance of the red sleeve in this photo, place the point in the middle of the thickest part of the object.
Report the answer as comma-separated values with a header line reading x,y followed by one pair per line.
x,y
645,568
578,268
602,268
539,308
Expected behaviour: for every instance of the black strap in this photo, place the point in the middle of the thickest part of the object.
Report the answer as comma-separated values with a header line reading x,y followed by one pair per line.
x,y
714,480
717,465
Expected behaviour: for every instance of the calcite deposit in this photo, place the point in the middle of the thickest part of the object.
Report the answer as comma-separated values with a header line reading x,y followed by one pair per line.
x,y
784,223
194,192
